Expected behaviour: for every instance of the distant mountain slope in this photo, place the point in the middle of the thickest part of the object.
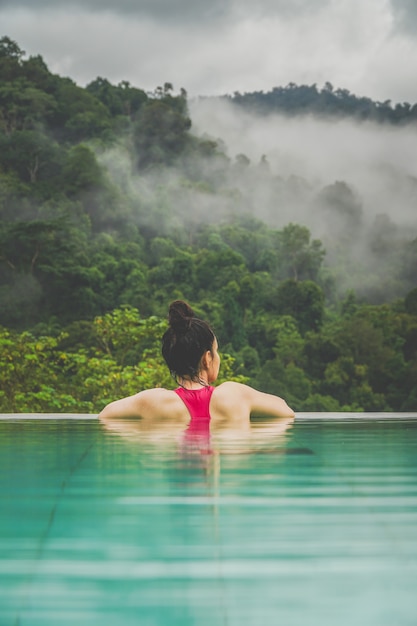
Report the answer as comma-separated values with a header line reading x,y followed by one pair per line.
x,y
328,101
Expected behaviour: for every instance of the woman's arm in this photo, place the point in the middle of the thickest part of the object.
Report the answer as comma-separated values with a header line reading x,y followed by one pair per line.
x,y
269,405
238,399
266,404
126,407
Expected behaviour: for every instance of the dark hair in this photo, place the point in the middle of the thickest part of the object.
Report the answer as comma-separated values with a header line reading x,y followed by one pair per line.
x,y
185,341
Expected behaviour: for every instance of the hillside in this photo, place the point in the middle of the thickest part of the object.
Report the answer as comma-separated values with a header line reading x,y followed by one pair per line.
x,y
112,205
326,102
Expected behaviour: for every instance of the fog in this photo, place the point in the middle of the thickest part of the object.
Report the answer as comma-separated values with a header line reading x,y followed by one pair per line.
x,y
354,185
378,162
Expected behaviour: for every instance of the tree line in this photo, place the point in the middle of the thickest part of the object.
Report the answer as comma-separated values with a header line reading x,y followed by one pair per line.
x,y
328,101
111,207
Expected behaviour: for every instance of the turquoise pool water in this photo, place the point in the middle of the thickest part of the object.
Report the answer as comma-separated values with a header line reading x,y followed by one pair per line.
x,y
315,525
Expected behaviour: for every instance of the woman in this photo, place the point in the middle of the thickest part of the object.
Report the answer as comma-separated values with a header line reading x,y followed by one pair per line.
x,y
189,347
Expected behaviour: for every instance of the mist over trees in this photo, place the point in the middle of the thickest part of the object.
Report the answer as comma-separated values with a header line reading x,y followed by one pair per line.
x,y
112,205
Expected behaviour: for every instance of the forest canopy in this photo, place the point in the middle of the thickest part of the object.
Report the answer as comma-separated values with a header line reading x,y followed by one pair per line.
x,y
111,207
326,102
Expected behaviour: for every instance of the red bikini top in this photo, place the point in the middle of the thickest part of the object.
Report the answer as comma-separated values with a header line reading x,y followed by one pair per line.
x,y
197,402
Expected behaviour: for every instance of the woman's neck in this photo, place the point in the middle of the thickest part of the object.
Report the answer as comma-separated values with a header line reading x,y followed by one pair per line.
x,y
188,383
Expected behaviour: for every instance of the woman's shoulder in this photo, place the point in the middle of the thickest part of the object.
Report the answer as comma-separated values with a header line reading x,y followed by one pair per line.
x,y
231,391
154,393
142,404
232,387
256,402
155,398
230,404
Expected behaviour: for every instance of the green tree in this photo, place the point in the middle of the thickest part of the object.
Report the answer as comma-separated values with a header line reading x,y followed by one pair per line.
x,y
342,211
161,132
214,269
23,106
303,300
122,99
33,156
81,171
10,59
31,378
79,116
299,258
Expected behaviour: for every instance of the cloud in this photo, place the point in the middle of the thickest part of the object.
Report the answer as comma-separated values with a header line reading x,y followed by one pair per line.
x,y
179,10
222,47
379,162
405,15
159,10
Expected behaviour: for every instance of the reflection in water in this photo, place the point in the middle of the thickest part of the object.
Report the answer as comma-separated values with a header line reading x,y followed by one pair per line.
x,y
202,451
224,439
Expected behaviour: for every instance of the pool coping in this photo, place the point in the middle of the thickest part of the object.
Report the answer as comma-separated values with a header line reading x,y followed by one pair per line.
x,y
315,416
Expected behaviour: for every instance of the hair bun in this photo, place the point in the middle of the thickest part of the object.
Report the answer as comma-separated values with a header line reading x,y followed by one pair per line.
x,y
180,315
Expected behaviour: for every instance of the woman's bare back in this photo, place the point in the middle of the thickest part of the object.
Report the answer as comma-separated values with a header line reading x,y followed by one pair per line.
x,y
231,404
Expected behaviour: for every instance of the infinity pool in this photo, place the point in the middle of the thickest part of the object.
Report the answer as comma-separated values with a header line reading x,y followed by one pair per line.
x,y
314,524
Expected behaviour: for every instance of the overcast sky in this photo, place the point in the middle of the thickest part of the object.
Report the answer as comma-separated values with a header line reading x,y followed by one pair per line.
x,y
221,46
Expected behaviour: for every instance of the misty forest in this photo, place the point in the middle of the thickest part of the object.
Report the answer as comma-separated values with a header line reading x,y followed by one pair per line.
x,y
287,219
